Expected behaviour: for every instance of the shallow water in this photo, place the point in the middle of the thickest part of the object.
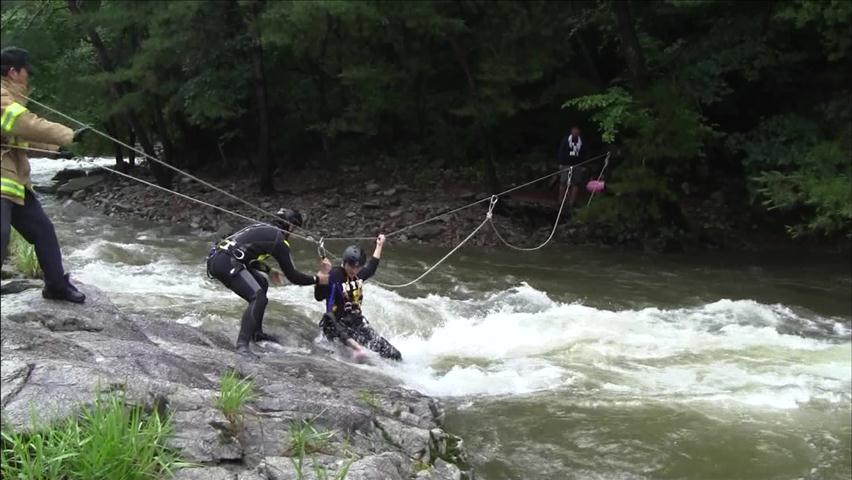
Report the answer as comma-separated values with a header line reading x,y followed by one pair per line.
x,y
568,362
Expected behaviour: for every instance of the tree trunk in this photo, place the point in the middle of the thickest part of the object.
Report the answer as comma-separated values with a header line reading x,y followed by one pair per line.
x,y
264,166
590,62
163,133
110,127
131,140
630,43
485,137
161,174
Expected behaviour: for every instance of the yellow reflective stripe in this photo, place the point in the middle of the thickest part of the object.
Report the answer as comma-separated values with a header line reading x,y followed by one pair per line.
x,y
12,183
12,112
262,257
287,243
11,191
11,187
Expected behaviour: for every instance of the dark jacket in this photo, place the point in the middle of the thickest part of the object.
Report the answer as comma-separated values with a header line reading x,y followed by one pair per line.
x,y
343,294
259,242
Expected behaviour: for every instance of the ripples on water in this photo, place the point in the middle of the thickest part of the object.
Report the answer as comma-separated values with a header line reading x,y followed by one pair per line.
x,y
611,366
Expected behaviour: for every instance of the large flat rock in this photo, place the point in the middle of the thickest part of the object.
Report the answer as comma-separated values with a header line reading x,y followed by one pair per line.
x,y
56,355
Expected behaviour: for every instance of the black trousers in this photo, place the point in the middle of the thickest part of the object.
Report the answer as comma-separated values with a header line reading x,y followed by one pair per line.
x,y
249,284
32,223
354,326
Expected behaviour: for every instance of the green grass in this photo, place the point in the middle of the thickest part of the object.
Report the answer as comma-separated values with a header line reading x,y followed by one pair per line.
x,y
24,256
369,399
419,465
234,393
306,439
321,472
107,440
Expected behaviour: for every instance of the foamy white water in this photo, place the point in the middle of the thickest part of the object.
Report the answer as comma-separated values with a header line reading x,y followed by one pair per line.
x,y
547,376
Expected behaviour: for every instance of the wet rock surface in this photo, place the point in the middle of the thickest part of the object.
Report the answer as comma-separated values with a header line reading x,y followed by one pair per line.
x,y
56,355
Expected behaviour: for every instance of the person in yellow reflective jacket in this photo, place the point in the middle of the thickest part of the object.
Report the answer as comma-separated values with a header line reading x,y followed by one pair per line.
x,y
20,207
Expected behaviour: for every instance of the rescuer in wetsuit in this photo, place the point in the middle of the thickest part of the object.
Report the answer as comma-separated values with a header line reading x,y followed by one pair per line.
x,y
343,295
238,260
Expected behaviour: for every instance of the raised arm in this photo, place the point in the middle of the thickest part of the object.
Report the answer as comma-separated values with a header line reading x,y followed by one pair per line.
x,y
373,263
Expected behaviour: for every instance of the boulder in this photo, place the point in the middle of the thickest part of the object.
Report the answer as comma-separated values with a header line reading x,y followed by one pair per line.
x,y
79,183
63,176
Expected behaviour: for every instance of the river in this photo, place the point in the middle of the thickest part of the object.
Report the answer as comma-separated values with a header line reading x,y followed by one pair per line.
x,y
567,363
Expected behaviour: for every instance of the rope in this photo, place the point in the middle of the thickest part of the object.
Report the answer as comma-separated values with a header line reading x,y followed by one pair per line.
x,y
487,219
202,202
188,175
606,164
484,199
321,251
555,222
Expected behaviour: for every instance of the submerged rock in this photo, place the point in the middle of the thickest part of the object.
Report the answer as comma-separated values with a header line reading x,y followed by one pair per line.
x,y
56,355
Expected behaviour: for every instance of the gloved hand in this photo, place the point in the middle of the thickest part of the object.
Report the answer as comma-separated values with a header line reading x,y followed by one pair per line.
x,y
64,153
80,132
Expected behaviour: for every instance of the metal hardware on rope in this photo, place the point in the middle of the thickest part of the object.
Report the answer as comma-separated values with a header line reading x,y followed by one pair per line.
x,y
144,154
494,199
321,251
481,200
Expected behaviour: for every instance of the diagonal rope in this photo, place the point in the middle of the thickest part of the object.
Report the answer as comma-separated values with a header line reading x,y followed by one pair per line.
x,y
555,222
484,199
157,160
606,164
488,216
154,185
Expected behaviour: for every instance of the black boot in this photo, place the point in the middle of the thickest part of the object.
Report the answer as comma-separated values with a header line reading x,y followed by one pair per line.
x,y
67,292
261,336
246,329
244,350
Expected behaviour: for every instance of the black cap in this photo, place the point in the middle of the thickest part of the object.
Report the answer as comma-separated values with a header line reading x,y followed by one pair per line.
x,y
14,57
289,218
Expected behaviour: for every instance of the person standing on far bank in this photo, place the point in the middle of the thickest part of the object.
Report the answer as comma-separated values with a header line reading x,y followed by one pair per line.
x,y
19,207
570,154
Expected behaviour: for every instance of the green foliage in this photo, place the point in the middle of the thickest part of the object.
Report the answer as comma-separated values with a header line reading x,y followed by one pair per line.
x,y
832,18
734,90
306,439
107,440
24,256
613,109
821,184
801,166
234,393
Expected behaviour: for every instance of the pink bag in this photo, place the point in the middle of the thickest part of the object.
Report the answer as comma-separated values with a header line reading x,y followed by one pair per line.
x,y
595,186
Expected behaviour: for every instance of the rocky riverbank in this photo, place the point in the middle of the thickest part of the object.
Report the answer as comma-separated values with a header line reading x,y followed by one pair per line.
x,y
363,206
367,204
56,355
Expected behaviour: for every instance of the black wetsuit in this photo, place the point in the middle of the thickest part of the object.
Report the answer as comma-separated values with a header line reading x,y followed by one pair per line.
x,y
237,262
343,319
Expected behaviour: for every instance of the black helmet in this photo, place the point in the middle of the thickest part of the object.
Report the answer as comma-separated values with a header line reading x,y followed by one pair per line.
x,y
289,218
14,57
353,255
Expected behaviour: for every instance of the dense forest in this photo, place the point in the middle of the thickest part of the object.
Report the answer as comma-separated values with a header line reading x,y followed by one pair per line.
x,y
728,114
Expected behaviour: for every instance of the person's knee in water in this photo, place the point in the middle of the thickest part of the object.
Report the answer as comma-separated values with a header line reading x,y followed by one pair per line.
x,y
343,295
238,262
